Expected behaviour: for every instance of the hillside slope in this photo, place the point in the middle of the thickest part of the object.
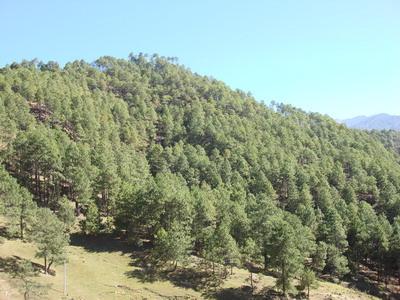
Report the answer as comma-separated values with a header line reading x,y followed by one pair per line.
x,y
109,280
150,151
389,138
377,122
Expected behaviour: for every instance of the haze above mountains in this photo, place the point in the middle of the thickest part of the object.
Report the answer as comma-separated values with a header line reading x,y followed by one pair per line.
x,y
378,122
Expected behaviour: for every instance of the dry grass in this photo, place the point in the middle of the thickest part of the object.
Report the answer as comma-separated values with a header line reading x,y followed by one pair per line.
x,y
96,275
105,269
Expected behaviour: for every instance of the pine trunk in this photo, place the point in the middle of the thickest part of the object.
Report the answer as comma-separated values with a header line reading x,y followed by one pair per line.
x,y
283,280
21,227
48,267
265,262
251,282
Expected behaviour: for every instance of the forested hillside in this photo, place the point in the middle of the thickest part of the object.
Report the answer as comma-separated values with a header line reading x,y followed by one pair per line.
x,y
390,138
148,150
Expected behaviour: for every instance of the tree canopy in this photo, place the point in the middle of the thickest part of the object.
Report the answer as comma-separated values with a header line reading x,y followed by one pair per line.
x,y
145,148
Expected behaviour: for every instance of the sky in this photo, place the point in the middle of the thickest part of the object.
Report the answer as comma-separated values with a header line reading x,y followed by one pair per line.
x,y
340,57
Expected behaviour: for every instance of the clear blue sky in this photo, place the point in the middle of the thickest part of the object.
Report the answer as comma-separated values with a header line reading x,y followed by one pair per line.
x,y
337,57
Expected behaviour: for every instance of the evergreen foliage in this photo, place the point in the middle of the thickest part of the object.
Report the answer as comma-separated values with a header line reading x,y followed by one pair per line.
x,y
146,148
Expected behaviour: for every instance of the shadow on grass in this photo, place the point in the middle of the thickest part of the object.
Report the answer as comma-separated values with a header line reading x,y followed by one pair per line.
x,y
22,279
10,265
243,293
194,278
6,234
198,280
198,276
366,283
101,243
3,232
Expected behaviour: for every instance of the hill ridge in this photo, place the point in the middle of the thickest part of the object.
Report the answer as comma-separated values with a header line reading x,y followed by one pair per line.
x,y
382,121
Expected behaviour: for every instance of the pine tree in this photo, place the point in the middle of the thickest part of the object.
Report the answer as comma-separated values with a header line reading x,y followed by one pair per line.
x,y
307,280
25,272
319,257
251,254
172,245
221,248
305,209
39,163
77,172
395,244
91,223
288,249
65,213
48,233
107,182
16,202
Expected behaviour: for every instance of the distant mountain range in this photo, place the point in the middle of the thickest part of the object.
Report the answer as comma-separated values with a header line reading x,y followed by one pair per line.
x,y
378,122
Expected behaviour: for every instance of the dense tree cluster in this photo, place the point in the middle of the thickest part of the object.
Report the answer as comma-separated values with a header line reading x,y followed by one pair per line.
x,y
147,149
390,138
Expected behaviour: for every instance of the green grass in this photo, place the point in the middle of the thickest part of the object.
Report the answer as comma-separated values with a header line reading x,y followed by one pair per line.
x,y
104,269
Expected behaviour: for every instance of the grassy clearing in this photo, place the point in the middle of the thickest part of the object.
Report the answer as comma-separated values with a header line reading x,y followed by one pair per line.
x,y
105,270
96,275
